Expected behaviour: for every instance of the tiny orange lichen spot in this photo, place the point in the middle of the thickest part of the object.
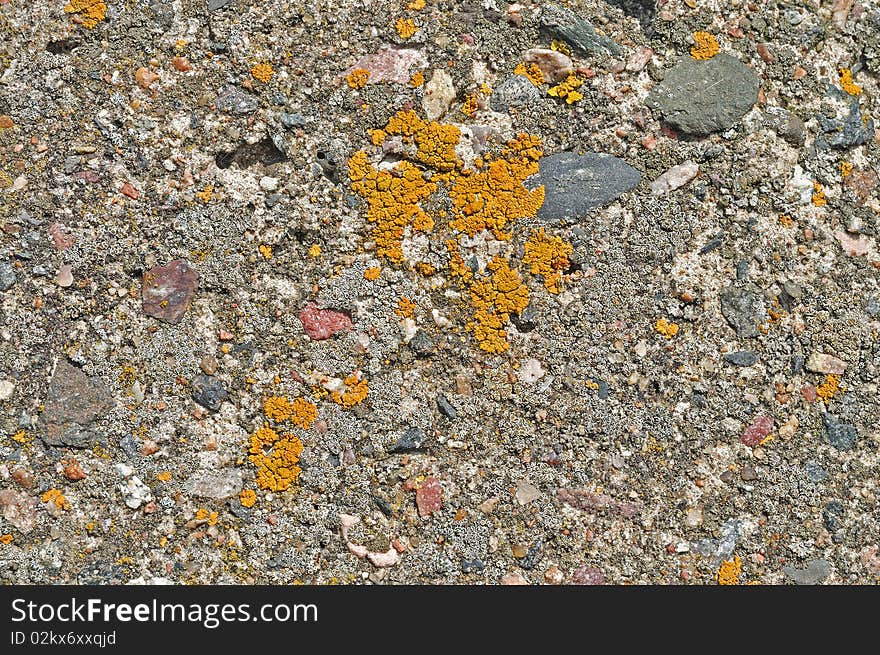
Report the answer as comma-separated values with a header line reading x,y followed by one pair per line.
x,y
89,12
247,498
531,72
785,220
406,28
205,196
730,571
547,256
470,105
275,459
57,497
417,80
425,268
266,251
315,250
819,195
6,539
828,389
357,79
356,391
416,5
846,82
6,122
372,274
202,514
262,71
405,308
667,329
163,476
277,408
560,46
705,46
568,89
845,169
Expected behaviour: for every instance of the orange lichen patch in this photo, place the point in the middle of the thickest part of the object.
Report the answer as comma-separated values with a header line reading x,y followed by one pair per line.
x,y
304,413
417,80
393,198
457,267
846,168
493,195
729,572
406,28
247,498
206,195
531,72
406,308
372,274
435,142
846,82
560,46
57,497
416,5
828,389
212,518
547,256
470,105
315,250
277,408
494,298
6,122
88,12
425,268
785,220
163,476
275,458
357,79
568,89
705,46
356,390
819,198
667,329
265,251
262,71
6,539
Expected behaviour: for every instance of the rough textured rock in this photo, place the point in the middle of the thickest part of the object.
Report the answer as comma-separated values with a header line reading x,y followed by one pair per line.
x,y
816,571
209,391
217,485
19,509
562,23
743,309
73,402
701,97
168,290
515,91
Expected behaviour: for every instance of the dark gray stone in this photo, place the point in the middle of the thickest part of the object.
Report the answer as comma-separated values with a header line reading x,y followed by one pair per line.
x,y
73,402
562,23
643,10
788,126
841,435
472,566
421,344
515,91
445,407
574,184
743,309
209,391
292,120
741,358
831,515
527,320
815,472
7,275
815,572
213,5
854,130
533,557
233,99
409,441
701,97
272,200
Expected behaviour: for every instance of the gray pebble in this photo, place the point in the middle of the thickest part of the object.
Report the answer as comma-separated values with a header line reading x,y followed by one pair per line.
x,y
410,440
445,407
7,275
208,391
841,435
815,572
515,91
743,309
741,358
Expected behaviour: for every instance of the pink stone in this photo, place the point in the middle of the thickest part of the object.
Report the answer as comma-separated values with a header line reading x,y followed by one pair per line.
x,y
853,246
588,575
755,433
555,66
60,238
861,183
390,65
19,509
513,578
323,323
168,290
639,59
808,391
429,497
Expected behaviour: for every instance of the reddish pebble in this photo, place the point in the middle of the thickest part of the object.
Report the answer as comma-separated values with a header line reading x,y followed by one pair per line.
x,y
429,497
649,142
130,191
588,575
148,448
755,433
181,64
60,238
323,323
764,53
74,472
808,391
168,290
23,478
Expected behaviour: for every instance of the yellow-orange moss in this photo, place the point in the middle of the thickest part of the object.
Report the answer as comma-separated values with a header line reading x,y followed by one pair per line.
x,y
417,80
355,391
90,12
494,298
57,497
819,198
406,28
262,71
406,308
846,82
828,389
163,476
493,195
6,539
846,169
372,274
730,571
568,89
560,46
357,79
666,328
277,408
416,5
247,498
531,72
275,458
548,256
705,46
470,105
785,220
315,250
304,413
